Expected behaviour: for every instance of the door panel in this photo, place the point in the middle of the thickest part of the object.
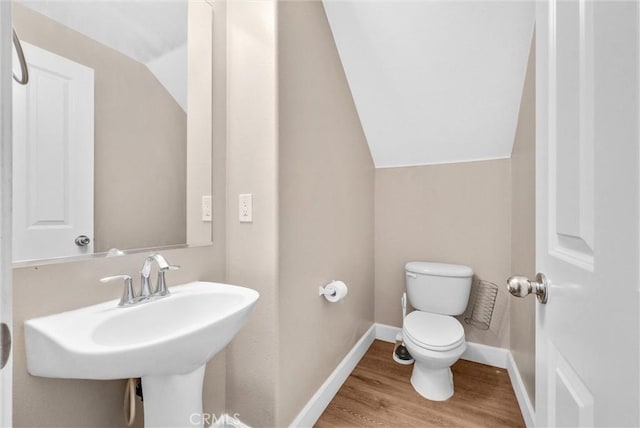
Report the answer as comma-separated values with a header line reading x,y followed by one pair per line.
x,y
571,168
571,402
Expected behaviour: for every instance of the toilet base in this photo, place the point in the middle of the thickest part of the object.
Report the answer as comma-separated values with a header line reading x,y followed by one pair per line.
x,y
432,384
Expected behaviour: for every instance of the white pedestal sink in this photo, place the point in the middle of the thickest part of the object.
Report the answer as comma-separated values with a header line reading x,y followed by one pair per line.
x,y
166,342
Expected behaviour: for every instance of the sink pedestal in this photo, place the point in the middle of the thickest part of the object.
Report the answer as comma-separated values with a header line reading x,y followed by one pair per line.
x,y
173,400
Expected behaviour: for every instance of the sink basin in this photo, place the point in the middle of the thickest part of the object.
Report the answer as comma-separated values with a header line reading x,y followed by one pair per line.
x,y
166,342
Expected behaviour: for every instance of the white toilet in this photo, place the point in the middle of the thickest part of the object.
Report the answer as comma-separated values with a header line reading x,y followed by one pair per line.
x,y
434,338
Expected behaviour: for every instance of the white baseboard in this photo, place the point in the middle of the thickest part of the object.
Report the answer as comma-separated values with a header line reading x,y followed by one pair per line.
x,y
387,333
309,415
526,408
484,354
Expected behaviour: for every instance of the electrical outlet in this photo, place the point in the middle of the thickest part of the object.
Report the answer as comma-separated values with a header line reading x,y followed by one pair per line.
x,y
207,210
245,208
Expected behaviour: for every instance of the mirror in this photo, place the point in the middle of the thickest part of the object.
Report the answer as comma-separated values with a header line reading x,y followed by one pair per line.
x,y
101,141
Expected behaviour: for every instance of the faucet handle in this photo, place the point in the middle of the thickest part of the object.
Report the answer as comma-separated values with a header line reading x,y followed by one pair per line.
x,y
127,293
161,289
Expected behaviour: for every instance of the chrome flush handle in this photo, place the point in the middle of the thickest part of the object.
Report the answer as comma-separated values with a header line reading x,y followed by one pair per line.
x,y
521,286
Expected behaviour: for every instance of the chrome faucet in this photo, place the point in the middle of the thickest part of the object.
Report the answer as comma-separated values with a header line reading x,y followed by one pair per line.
x,y
145,283
129,297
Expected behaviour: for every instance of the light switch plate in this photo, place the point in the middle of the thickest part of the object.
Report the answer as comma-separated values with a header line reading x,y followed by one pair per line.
x,y
245,208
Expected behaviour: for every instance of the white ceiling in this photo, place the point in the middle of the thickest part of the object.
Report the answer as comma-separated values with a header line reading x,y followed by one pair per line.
x,y
434,81
148,31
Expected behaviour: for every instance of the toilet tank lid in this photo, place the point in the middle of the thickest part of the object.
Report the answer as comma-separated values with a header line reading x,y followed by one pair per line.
x,y
439,269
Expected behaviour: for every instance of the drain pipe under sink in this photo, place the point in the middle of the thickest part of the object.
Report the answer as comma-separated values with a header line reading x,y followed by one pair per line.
x,y
130,396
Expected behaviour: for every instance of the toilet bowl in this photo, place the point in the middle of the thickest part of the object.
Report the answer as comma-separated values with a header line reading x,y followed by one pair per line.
x,y
434,338
435,342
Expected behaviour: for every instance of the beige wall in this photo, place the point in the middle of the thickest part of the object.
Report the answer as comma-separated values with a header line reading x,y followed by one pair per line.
x,y
131,145
43,290
523,224
325,207
252,167
453,213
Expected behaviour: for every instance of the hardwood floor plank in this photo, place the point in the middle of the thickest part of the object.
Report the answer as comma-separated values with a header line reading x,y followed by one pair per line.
x,y
378,393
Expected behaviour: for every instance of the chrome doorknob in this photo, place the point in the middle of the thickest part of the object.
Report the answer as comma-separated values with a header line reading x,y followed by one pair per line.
x,y
521,286
82,241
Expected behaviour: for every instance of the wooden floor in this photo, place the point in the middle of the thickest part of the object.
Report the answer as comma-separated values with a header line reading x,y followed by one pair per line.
x,y
378,393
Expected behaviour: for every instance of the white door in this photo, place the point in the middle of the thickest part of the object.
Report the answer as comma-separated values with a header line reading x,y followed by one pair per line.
x,y
52,158
587,334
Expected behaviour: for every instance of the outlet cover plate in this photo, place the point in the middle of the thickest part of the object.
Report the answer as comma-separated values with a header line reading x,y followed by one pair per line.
x,y
245,208
207,210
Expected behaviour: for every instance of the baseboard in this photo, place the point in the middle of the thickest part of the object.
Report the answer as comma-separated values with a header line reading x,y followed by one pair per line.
x,y
387,333
526,408
309,415
483,354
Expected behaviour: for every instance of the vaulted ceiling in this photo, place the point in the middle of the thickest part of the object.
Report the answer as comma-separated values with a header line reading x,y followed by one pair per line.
x,y
434,81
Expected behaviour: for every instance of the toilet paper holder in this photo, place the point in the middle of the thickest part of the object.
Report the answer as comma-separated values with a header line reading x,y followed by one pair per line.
x,y
327,290
334,291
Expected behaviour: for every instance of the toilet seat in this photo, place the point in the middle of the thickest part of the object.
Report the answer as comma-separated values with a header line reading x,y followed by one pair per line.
x,y
433,331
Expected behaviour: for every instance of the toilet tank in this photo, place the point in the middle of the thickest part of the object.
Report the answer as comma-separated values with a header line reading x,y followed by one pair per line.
x,y
439,288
